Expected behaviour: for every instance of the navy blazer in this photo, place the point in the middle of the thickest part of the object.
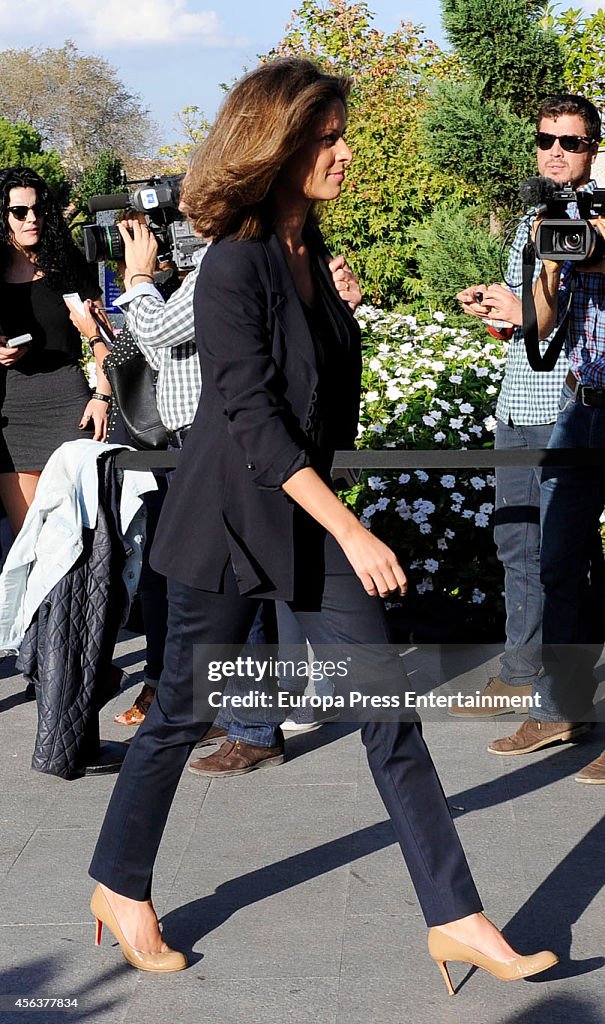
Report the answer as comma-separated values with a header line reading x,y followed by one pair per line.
x,y
254,427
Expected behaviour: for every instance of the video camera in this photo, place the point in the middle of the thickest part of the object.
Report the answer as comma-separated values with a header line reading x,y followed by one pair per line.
x,y
560,237
158,199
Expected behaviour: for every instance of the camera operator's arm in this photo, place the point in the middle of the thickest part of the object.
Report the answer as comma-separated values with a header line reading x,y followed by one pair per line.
x,y
156,324
140,252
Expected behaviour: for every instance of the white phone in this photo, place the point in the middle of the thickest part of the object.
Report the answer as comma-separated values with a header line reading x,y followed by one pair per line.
x,y
73,299
22,339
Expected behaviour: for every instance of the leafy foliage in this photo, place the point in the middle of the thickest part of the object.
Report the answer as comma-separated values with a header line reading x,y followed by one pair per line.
x,y
103,178
76,103
480,142
21,145
582,40
195,126
506,46
455,248
389,186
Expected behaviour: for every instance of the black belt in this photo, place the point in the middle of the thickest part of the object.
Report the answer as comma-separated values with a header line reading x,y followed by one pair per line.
x,y
592,397
176,437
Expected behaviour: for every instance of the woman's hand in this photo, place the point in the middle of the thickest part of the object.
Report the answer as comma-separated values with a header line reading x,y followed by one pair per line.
x,y
345,282
97,411
10,356
140,252
375,564
85,322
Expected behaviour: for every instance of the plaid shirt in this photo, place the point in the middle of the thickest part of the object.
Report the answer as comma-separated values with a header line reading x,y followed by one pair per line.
x,y
164,332
586,330
529,397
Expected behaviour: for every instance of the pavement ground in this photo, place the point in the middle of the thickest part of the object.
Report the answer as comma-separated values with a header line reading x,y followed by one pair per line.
x,y
287,891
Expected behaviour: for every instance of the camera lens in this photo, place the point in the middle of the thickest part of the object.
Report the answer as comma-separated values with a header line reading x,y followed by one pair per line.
x,y
102,242
572,243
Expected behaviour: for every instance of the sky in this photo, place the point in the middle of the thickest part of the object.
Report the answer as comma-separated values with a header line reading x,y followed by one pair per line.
x,y
175,53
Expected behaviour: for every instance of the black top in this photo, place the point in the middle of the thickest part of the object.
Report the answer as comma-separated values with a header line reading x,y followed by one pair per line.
x,y
33,307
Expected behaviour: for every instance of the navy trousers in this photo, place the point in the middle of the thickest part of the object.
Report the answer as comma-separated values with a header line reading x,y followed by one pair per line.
x,y
399,760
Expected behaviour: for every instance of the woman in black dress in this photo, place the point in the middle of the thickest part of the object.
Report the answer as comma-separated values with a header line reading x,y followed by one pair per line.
x,y
44,395
251,513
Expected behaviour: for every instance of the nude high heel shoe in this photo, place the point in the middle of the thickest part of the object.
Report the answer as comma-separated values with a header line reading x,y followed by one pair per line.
x,y
443,948
170,960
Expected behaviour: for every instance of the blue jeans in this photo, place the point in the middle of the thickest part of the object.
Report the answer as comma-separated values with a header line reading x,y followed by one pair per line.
x,y
572,499
517,537
259,727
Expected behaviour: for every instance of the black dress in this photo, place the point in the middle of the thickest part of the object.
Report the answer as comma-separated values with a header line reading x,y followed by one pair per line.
x,y
43,396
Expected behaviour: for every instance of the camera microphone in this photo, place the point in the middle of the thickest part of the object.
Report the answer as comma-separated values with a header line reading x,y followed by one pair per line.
x,y
116,201
536,192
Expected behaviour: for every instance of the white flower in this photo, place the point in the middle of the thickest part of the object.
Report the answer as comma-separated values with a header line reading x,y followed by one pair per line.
x,y
368,511
444,405
490,423
425,528
422,476
487,508
376,428
455,379
478,482
404,478
448,480
439,316
491,480
481,519
419,516
374,364
430,421
394,392
463,437
478,596
482,371
431,565
439,436
382,503
376,483
371,396
468,513
457,497
456,423
466,407
475,430
491,390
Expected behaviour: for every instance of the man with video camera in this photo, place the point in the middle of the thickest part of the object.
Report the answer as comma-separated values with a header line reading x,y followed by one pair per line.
x,y
571,497
526,410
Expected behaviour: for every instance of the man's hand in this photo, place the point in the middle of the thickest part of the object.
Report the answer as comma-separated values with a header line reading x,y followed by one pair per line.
x,y
10,356
503,304
345,282
140,252
472,303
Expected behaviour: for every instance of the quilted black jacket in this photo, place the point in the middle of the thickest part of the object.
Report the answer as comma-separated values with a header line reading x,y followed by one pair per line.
x,y
68,647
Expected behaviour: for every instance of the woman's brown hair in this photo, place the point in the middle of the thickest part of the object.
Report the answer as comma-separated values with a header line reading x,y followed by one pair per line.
x,y
264,120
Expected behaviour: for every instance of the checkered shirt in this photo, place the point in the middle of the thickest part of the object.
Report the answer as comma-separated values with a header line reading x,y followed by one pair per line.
x,y
527,396
164,332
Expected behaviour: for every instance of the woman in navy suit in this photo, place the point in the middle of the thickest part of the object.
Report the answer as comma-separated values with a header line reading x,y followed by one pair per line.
x,y
251,513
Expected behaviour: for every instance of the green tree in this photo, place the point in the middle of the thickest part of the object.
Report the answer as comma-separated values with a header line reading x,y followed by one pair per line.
x,y
21,145
194,127
76,102
582,40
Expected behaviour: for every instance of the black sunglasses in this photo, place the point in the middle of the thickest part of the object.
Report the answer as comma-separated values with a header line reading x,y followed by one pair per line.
x,y
570,143
20,212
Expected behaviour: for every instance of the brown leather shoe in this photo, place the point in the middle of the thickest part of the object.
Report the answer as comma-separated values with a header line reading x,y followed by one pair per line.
x,y
236,758
136,714
495,700
593,773
532,735
214,735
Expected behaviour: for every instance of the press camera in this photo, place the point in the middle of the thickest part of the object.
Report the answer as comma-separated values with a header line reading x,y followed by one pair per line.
x,y
560,237
158,199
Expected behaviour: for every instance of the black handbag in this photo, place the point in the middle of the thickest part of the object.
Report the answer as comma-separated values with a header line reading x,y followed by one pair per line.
x,y
133,389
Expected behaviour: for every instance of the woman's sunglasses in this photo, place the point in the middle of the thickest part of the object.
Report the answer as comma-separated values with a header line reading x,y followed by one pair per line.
x,y
570,143
20,212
